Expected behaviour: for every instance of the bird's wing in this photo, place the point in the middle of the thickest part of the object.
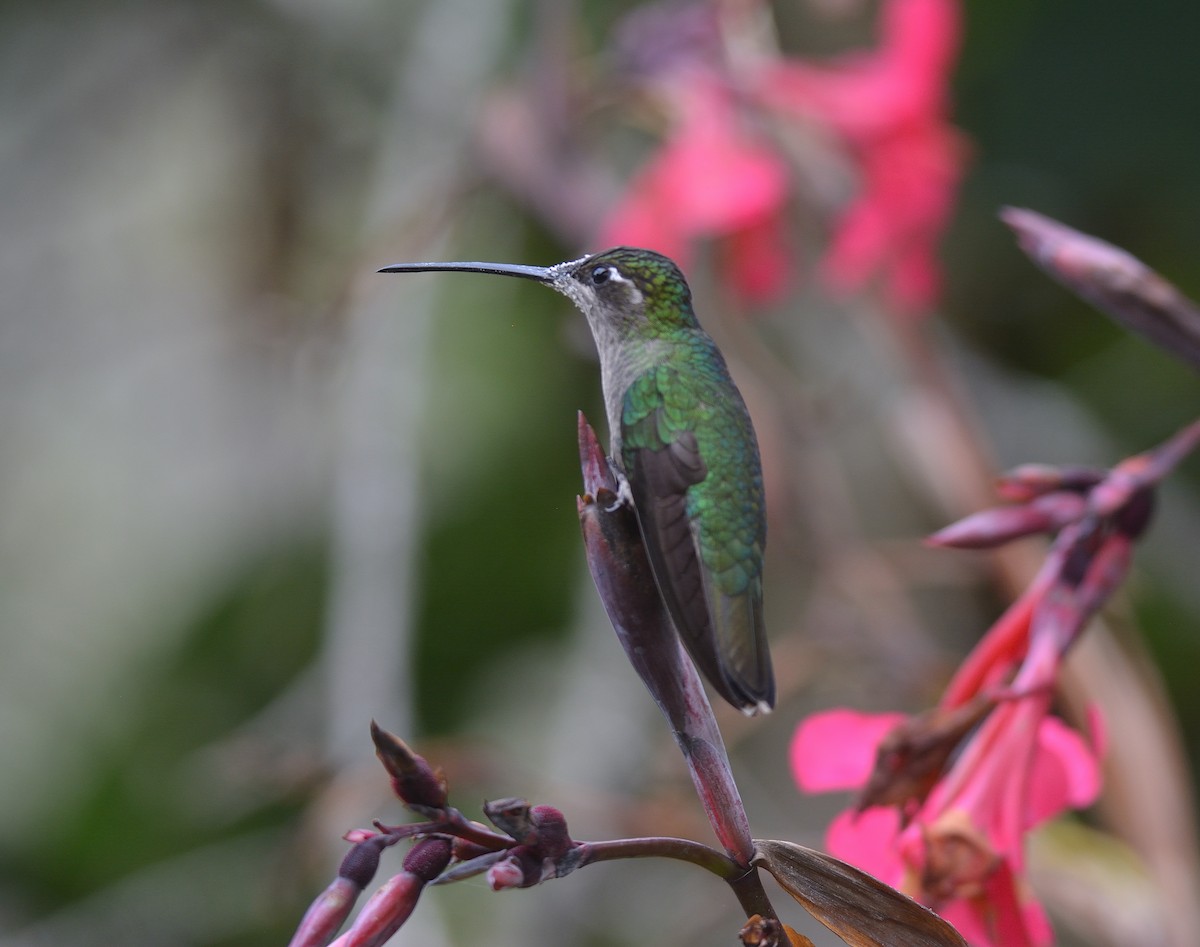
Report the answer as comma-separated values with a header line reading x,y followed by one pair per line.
x,y
722,632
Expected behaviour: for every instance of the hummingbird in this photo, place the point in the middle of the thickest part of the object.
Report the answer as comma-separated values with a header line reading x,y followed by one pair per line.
x,y
685,452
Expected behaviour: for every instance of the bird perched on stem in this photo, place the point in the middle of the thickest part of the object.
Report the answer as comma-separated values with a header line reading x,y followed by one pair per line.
x,y
682,440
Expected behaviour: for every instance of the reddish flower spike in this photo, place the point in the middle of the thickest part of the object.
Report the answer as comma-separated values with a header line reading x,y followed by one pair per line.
x,y
711,179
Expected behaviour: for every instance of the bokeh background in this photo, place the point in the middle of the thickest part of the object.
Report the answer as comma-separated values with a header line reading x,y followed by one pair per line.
x,y
253,495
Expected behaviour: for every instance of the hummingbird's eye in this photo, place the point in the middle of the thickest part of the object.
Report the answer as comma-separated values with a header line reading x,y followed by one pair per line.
x,y
601,274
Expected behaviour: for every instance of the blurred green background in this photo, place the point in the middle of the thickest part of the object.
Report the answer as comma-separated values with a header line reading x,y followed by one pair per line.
x,y
253,495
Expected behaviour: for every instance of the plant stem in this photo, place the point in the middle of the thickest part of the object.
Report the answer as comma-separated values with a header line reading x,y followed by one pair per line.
x,y
745,882
681,849
451,822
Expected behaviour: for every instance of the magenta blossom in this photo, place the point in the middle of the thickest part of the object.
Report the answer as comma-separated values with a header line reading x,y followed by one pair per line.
x,y
963,854
947,797
713,178
955,837
723,175
890,109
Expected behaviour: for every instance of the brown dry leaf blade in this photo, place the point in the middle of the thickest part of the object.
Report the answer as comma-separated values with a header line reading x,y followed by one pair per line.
x,y
861,910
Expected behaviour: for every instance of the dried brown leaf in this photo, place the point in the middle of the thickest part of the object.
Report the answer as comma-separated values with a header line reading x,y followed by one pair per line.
x,y
861,910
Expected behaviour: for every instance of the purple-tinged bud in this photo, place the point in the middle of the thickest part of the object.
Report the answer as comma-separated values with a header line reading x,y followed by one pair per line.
x,y
1134,517
512,817
384,913
1027,481
392,904
362,861
994,527
414,780
326,914
1079,553
1107,570
593,462
354,836
1113,280
553,840
1117,488
1167,455
429,857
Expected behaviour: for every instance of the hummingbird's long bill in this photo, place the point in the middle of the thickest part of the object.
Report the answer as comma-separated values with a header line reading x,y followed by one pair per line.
x,y
543,274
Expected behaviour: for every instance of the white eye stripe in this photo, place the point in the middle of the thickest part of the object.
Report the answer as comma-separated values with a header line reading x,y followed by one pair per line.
x,y
604,273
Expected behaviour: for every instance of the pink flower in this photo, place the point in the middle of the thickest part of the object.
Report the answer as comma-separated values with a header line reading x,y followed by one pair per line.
x,y
947,797
953,834
963,853
713,178
718,177
890,109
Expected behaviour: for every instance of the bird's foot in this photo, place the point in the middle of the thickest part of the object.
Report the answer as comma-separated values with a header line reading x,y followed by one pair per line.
x,y
624,494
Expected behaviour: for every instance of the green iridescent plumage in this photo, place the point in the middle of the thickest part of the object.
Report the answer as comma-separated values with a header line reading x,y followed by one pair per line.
x,y
689,393
689,452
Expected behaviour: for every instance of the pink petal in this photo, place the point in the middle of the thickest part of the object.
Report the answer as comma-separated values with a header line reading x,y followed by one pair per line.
x,y
719,178
859,245
1065,775
868,94
892,227
642,218
921,38
836,749
999,651
711,178
969,921
915,285
1006,915
867,840
759,260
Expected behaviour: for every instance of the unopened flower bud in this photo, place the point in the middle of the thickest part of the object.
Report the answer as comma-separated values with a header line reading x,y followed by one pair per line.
x,y
326,914
428,858
362,861
1116,282
390,906
553,841
1134,517
506,874
384,913
988,528
1027,481
414,780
